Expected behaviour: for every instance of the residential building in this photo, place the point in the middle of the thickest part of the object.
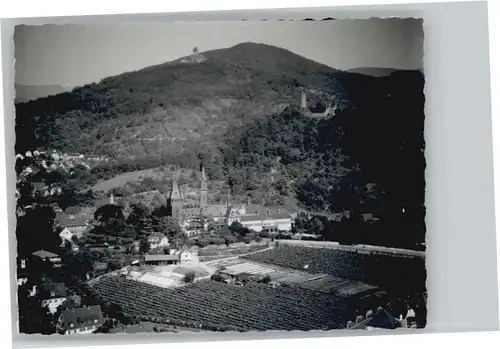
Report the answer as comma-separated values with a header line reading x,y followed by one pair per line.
x,y
161,259
368,217
134,247
193,225
52,295
185,256
83,320
75,210
40,188
72,301
66,236
100,267
271,222
47,256
381,319
76,224
157,241
98,247
72,156
22,274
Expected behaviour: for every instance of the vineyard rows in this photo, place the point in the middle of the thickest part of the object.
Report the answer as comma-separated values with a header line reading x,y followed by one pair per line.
x,y
385,271
229,252
219,307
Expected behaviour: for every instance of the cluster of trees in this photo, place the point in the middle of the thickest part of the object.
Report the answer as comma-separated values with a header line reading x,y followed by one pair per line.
x,y
242,234
35,230
306,225
34,208
113,227
392,231
236,232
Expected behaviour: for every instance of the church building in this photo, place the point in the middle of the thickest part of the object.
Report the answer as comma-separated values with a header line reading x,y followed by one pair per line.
x,y
196,220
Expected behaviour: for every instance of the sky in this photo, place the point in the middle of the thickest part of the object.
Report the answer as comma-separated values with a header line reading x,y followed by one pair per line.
x,y
73,55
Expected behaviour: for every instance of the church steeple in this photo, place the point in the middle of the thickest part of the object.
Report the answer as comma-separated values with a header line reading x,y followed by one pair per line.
x,y
175,201
203,189
228,197
175,193
203,176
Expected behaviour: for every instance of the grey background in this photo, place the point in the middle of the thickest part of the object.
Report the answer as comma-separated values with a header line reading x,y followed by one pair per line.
x,y
461,259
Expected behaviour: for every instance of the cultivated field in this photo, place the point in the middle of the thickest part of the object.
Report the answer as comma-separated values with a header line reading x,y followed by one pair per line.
x,y
316,282
209,253
405,274
219,307
124,178
168,275
399,252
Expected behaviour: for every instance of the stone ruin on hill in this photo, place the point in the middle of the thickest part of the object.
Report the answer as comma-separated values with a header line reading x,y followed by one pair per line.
x,y
318,105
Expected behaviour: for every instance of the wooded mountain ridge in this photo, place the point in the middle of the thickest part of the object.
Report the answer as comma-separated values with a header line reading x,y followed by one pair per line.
x,y
237,112
168,112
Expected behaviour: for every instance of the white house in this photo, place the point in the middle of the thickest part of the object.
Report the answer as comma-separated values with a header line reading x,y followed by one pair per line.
x,y
161,259
75,223
185,256
157,240
276,223
83,320
66,235
135,247
52,295
22,275
261,218
192,226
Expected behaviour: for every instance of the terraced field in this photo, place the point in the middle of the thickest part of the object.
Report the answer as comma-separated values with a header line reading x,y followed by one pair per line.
x,y
207,255
316,282
402,274
216,306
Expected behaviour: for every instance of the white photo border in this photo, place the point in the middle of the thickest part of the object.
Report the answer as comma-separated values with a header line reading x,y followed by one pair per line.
x,y
461,261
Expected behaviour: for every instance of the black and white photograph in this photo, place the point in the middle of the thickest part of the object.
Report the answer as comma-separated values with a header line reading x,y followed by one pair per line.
x,y
220,176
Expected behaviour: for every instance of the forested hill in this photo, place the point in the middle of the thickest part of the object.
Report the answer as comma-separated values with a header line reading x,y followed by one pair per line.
x,y
237,109
368,159
171,112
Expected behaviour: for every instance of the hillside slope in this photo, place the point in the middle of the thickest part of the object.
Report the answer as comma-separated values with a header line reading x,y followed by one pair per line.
x,y
364,160
171,112
237,111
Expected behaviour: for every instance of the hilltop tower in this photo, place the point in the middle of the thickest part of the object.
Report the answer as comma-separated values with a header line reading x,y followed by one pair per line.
x,y
175,201
203,189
